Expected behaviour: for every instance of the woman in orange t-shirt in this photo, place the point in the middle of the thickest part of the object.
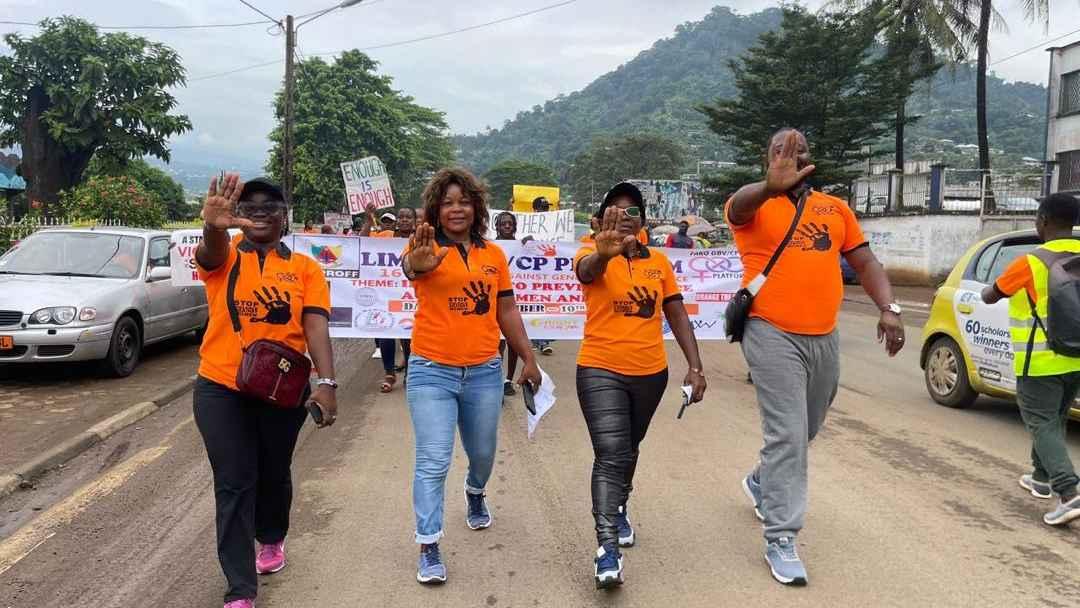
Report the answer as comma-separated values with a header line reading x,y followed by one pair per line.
x,y
464,300
280,296
622,366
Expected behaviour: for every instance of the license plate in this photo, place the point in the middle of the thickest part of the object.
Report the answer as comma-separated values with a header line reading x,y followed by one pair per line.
x,y
7,342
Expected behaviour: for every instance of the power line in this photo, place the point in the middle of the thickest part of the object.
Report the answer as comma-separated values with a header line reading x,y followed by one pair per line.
x,y
363,4
398,43
1037,46
257,10
150,27
464,29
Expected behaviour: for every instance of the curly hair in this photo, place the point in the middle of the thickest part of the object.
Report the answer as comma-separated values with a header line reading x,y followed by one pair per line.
x,y
473,190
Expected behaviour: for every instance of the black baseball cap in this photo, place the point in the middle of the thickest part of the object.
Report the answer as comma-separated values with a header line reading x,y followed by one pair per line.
x,y
264,185
620,190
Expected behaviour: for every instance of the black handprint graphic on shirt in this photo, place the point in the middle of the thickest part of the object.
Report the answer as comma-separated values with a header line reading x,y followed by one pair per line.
x,y
278,310
481,297
819,237
646,303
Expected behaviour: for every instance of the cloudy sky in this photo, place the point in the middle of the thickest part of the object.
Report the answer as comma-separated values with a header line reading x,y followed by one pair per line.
x,y
479,78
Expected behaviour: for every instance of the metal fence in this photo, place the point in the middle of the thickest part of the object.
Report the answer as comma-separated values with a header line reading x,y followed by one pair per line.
x,y
14,230
947,190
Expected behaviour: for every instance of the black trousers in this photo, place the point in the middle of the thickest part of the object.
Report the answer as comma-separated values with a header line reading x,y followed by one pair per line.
x,y
618,410
250,445
388,350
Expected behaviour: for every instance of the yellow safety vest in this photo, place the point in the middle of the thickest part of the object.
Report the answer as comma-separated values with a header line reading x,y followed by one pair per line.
x,y
1044,362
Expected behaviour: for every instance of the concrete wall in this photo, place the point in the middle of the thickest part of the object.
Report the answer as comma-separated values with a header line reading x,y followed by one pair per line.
x,y
1063,132
920,250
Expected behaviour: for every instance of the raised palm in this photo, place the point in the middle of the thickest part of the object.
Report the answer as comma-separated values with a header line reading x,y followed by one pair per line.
x,y
784,173
219,209
609,241
425,254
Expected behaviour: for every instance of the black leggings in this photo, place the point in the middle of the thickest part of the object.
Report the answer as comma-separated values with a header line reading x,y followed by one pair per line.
x,y
250,445
388,350
617,409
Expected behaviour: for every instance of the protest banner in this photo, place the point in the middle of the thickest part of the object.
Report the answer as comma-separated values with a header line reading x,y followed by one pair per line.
x,y
182,256
367,185
338,221
525,195
547,226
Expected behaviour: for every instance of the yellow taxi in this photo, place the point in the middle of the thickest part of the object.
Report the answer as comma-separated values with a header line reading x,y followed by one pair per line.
x,y
966,348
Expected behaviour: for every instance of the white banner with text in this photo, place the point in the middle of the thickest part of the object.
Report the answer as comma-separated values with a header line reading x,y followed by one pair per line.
x,y
371,298
545,226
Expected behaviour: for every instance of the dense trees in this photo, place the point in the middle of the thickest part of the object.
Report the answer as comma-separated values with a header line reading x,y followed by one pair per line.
x,y
502,177
344,111
70,92
611,160
817,73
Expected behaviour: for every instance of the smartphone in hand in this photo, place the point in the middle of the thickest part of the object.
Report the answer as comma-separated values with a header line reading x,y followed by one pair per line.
x,y
316,412
530,397
687,391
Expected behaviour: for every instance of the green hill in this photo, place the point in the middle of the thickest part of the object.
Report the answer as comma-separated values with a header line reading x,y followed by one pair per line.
x,y
658,90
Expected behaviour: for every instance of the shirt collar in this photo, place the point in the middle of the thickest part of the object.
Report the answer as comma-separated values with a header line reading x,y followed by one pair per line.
x,y
246,246
444,241
643,252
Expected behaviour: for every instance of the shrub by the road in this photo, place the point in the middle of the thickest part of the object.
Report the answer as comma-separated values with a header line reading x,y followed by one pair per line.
x,y
116,198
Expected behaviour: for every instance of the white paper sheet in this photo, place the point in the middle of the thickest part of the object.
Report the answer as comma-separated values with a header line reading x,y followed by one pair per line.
x,y
544,401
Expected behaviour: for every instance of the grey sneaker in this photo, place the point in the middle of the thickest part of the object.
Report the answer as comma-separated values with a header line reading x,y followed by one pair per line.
x,y
1064,513
477,516
784,561
1038,489
430,569
752,488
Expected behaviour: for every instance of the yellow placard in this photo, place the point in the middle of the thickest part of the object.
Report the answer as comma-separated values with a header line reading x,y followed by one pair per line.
x,y
525,195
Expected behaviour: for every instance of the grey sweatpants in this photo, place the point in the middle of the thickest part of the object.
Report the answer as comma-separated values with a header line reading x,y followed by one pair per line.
x,y
796,378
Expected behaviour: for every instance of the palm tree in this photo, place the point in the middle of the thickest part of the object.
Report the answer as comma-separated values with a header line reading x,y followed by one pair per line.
x,y
915,34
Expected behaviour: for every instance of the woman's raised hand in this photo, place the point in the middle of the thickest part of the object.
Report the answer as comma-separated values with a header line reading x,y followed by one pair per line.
x,y
219,209
609,243
425,254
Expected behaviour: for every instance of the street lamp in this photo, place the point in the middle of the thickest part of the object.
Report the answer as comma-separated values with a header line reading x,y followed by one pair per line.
x,y
290,78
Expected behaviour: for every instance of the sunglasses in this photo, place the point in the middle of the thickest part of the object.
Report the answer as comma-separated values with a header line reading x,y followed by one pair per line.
x,y
247,209
634,212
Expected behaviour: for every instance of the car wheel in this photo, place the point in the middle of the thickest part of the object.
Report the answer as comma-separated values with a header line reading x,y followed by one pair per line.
x,y
946,375
125,350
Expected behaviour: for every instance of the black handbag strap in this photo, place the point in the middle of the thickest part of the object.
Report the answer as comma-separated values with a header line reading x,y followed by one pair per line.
x,y
799,206
230,297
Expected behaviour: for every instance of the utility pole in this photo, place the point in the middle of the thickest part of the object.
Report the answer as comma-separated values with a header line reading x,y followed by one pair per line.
x,y
287,152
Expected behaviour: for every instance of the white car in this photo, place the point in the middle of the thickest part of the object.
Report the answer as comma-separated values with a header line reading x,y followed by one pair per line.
x,y
93,294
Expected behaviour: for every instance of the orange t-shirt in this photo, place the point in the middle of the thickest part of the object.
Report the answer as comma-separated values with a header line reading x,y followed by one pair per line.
x,y
383,234
623,313
271,299
804,290
456,320
1018,276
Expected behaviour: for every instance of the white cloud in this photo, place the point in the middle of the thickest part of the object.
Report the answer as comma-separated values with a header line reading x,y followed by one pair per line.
x,y
478,78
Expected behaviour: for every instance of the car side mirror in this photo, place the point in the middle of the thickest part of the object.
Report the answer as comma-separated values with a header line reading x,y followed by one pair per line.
x,y
159,273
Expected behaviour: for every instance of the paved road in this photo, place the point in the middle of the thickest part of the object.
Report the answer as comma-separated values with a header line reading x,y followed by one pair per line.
x,y
912,504
44,404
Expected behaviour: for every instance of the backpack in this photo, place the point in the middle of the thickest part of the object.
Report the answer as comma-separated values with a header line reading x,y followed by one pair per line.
x,y
1062,323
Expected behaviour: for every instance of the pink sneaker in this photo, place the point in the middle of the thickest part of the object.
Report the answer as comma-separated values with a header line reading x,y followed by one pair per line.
x,y
271,558
241,604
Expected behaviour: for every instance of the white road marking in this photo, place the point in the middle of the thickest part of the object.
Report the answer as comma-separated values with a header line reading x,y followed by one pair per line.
x,y
34,534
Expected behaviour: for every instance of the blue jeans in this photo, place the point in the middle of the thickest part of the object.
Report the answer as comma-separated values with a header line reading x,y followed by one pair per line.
x,y
441,397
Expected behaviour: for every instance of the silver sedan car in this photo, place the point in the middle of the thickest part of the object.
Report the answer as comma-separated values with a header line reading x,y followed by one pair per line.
x,y
94,294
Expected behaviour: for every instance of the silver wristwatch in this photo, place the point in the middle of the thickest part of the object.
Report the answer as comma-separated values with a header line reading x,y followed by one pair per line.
x,y
893,308
327,382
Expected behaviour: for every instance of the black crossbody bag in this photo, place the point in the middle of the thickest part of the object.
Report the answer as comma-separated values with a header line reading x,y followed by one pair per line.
x,y
738,309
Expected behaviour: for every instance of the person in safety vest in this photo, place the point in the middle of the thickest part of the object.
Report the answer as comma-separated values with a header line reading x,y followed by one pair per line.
x,y
1047,373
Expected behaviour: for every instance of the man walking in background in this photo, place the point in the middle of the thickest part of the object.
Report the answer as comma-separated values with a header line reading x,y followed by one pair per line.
x,y
791,342
1043,288
680,239
542,205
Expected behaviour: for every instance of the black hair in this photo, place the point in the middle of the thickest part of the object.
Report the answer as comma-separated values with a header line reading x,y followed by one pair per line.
x,y
505,214
768,144
1061,210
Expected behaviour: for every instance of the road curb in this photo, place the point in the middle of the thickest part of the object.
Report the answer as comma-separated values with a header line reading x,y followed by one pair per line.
x,y
65,451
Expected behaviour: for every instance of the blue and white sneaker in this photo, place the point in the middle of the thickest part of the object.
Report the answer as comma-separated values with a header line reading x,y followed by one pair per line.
x,y
607,567
430,570
477,516
784,561
626,531
1038,489
1064,513
752,488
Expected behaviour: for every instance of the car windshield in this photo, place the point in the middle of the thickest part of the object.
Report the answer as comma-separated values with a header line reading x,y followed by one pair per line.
x,y
75,254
